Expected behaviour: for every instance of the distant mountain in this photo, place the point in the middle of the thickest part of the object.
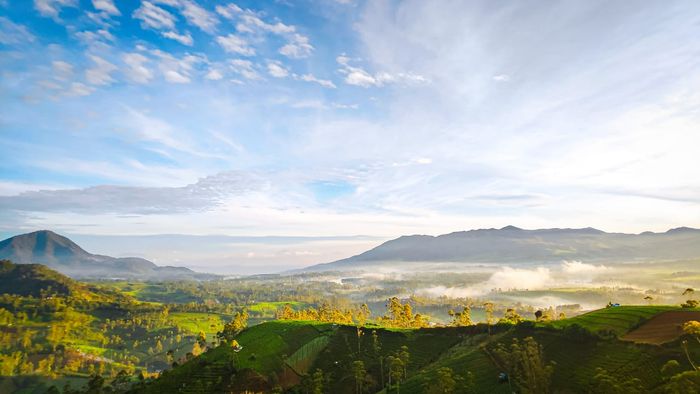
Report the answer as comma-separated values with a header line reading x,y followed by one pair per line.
x,y
36,280
511,244
62,254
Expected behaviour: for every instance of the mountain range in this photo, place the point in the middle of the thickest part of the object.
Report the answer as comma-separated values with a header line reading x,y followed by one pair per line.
x,y
511,244
65,256
507,245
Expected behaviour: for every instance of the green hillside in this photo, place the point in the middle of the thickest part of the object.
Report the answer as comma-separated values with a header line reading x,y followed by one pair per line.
x,y
285,354
614,320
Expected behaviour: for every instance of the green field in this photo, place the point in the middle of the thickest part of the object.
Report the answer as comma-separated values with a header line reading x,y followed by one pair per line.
x,y
280,352
618,320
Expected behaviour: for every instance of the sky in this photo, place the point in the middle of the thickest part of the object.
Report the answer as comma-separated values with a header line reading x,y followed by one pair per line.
x,y
254,136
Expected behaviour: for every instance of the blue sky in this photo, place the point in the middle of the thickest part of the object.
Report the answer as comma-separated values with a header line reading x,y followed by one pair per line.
x,y
331,119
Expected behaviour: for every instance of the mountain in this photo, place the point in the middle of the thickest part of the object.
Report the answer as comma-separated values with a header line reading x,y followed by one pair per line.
x,y
511,244
35,279
65,256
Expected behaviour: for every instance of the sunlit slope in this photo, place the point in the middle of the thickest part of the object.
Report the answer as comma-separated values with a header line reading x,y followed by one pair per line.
x,y
614,320
281,352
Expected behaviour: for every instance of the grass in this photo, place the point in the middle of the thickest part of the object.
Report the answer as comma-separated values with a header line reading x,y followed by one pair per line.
x,y
272,307
196,322
618,320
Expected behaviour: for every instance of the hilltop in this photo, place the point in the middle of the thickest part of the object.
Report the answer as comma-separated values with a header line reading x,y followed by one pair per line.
x,y
511,244
287,353
62,254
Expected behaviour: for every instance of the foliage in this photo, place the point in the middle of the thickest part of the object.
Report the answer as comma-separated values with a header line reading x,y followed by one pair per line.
x,y
511,317
445,383
461,319
401,315
524,360
603,382
690,304
684,383
235,326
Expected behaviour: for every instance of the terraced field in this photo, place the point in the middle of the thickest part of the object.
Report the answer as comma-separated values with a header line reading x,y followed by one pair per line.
x,y
662,328
280,352
617,320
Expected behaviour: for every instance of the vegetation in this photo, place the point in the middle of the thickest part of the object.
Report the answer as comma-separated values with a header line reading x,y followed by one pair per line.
x,y
60,335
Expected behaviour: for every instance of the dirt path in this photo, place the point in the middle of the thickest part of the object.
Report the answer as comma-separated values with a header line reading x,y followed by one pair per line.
x,y
662,328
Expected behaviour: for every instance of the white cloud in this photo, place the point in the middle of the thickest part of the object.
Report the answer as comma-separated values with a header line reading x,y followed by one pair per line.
x,y
277,69
359,77
52,8
137,70
178,70
501,78
323,82
298,47
235,44
174,76
12,33
228,11
250,23
245,68
154,17
79,89
214,75
98,38
184,39
100,73
106,6
62,71
194,14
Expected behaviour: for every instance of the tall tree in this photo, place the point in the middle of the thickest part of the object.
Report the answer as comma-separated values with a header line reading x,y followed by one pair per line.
x,y
359,372
463,318
525,363
488,308
445,382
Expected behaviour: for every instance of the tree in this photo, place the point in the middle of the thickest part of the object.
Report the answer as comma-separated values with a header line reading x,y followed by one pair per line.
x,y
196,349
235,326
159,347
672,367
94,385
462,319
649,299
287,313
404,356
313,384
689,291
396,370
691,328
511,317
690,304
359,372
362,314
684,383
525,363
445,383
201,339
377,348
603,382
488,308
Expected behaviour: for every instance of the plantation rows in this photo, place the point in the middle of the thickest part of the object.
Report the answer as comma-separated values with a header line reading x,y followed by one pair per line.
x,y
617,319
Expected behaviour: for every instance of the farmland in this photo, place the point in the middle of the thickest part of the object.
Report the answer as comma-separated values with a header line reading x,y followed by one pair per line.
x,y
269,349
662,328
614,320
